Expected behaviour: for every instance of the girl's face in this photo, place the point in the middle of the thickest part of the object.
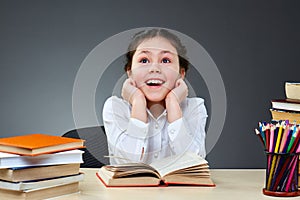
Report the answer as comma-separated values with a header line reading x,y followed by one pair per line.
x,y
155,68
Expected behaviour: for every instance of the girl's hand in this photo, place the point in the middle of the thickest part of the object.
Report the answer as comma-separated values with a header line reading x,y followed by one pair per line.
x,y
130,92
179,93
174,98
136,98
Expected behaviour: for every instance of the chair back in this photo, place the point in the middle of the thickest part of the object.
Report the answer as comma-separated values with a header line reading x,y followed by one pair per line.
x,y
96,145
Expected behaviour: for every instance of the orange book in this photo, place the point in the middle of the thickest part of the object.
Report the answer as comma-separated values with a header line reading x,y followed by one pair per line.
x,y
36,144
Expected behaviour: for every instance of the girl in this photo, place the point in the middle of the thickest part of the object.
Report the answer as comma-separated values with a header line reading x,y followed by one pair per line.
x,y
154,119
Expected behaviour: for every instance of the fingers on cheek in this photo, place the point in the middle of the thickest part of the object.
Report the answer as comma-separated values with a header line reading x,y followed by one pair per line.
x,y
178,83
132,82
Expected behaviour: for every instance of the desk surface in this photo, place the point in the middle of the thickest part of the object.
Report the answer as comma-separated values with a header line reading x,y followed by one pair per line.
x,y
230,184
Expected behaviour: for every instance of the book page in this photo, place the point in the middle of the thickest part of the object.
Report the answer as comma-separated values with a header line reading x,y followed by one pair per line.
x,y
176,162
127,169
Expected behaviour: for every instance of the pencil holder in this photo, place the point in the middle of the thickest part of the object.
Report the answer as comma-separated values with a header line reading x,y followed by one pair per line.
x,y
282,175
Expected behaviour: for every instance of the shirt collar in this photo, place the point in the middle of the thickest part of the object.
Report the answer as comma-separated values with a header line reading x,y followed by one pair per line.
x,y
163,114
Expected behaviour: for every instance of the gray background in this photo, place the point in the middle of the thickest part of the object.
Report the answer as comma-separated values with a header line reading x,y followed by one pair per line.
x,y
255,45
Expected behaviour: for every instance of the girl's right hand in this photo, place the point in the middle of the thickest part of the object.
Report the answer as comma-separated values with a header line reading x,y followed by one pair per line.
x,y
130,92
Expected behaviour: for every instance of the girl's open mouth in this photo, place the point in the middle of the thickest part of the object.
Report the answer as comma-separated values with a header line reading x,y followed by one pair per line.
x,y
155,82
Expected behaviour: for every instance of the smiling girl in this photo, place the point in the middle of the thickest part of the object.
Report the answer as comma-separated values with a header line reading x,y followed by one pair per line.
x,y
154,119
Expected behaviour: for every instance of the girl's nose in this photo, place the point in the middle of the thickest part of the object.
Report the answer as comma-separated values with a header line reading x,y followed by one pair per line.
x,y
154,68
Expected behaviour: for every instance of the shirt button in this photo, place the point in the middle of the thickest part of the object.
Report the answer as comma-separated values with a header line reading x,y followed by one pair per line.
x,y
156,126
155,155
172,131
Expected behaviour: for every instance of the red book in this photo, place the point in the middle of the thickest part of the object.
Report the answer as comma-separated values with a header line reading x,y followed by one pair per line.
x,y
184,169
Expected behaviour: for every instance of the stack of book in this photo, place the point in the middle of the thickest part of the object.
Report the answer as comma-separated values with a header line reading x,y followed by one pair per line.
x,y
288,108
39,166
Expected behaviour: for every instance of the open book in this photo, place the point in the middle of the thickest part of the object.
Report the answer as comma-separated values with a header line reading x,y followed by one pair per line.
x,y
183,169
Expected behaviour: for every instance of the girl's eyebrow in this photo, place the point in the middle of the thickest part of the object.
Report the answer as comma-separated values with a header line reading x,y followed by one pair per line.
x,y
166,51
143,51
149,52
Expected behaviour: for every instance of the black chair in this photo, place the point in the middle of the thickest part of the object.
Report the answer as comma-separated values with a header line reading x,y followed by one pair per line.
x,y
96,145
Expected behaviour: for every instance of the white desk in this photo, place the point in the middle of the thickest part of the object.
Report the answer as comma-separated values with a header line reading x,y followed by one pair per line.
x,y
230,184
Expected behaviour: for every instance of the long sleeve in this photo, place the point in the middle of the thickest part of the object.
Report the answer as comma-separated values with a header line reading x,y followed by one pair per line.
x,y
126,136
188,133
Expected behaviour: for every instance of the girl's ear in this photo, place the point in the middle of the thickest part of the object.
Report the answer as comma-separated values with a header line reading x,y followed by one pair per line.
x,y
182,73
128,72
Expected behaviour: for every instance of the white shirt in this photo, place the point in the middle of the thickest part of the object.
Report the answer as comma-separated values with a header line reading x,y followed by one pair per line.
x,y
136,141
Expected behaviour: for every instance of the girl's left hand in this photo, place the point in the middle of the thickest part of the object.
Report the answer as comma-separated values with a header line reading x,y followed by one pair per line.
x,y
180,92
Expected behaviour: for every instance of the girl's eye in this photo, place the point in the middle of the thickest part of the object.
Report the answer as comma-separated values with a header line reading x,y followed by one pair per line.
x,y
166,60
144,60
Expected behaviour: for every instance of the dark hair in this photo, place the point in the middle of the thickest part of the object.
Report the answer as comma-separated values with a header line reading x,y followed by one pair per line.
x,y
139,37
